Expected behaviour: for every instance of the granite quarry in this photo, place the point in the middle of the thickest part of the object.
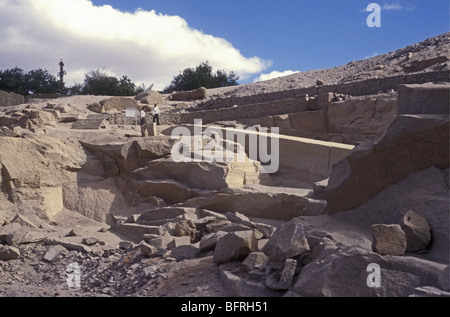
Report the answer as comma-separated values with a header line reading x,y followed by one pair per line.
x,y
358,207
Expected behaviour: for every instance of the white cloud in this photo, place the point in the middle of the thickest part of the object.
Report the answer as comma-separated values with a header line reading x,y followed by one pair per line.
x,y
396,7
274,74
146,46
371,55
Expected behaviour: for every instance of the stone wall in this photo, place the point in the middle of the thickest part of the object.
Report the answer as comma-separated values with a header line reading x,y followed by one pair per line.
x,y
424,99
360,88
10,99
271,108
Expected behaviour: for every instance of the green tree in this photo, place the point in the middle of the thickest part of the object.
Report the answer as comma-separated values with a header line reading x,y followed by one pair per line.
x,y
75,90
126,87
201,76
13,80
97,82
40,81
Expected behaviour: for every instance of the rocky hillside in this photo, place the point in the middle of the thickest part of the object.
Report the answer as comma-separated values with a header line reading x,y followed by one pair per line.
x,y
358,205
427,56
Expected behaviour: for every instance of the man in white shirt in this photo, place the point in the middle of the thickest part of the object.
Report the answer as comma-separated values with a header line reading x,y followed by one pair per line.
x,y
143,119
155,112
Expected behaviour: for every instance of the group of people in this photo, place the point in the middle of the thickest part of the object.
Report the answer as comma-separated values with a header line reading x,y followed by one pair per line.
x,y
155,114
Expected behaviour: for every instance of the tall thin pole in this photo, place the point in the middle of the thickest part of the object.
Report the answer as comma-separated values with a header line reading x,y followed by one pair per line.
x,y
61,76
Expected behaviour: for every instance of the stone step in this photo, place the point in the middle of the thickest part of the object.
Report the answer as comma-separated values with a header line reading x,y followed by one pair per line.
x,y
93,122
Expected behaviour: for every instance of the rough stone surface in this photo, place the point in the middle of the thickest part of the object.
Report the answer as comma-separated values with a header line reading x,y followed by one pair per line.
x,y
149,97
90,241
161,242
234,246
71,246
209,242
147,249
217,225
266,230
135,232
179,241
118,103
343,272
239,218
254,260
287,275
388,240
239,287
185,252
53,253
422,141
13,234
197,94
186,228
417,231
424,99
287,242
280,275
8,253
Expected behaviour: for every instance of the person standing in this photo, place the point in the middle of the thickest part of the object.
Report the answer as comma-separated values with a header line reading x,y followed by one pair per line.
x,y
155,112
143,119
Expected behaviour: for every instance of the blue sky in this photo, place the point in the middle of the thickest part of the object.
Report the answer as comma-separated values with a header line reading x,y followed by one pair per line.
x,y
250,37
302,35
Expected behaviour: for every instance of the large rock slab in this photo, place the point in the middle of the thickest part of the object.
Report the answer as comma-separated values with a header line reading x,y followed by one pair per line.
x,y
234,246
185,252
149,97
96,200
135,232
288,241
388,240
69,245
168,213
209,242
424,99
205,175
241,287
8,253
412,143
280,206
121,154
34,170
347,273
13,234
430,273
149,149
118,103
147,249
160,241
171,191
361,115
425,192
53,254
